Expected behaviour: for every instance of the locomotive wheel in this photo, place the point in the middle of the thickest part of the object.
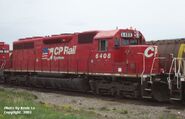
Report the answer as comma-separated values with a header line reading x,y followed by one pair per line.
x,y
160,91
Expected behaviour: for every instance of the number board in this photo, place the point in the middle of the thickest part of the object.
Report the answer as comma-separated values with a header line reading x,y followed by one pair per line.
x,y
126,35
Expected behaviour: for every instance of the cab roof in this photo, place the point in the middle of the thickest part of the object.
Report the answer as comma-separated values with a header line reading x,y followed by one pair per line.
x,y
106,34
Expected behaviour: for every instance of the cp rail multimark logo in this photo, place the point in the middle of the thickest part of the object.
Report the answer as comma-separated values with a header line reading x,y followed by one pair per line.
x,y
57,53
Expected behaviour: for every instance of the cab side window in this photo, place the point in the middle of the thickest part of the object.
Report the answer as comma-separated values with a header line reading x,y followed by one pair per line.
x,y
102,45
117,42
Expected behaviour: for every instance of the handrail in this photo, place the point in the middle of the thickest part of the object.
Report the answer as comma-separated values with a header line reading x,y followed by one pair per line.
x,y
3,64
154,62
177,72
168,78
143,66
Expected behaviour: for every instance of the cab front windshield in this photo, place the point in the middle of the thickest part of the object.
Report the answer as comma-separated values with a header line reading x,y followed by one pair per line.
x,y
129,42
124,42
129,38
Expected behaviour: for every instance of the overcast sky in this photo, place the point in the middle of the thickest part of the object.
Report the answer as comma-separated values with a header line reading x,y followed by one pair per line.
x,y
156,19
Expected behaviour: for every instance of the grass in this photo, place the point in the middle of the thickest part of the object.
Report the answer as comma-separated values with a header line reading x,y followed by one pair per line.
x,y
169,116
12,98
124,112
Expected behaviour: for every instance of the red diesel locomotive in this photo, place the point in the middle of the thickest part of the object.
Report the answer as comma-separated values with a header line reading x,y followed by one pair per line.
x,y
4,55
116,62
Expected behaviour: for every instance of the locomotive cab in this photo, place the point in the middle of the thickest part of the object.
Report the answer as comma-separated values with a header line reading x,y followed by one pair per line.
x,y
129,56
129,37
132,45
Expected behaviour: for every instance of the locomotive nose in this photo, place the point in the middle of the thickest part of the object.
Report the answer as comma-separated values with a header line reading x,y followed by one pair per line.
x,y
147,61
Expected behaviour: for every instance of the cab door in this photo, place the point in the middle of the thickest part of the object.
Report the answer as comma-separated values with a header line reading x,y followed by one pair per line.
x,y
100,57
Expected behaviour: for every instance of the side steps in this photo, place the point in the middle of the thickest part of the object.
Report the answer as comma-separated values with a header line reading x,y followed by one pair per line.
x,y
176,91
146,88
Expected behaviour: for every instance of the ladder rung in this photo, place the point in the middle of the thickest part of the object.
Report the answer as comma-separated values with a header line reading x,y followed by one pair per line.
x,y
148,89
175,99
178,91
147,97
149,82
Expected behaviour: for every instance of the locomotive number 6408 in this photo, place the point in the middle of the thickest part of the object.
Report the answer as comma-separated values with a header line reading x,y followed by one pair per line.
x,y
103,55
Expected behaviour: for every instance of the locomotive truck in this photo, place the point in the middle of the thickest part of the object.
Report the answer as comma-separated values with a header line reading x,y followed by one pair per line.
x,y
113,62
